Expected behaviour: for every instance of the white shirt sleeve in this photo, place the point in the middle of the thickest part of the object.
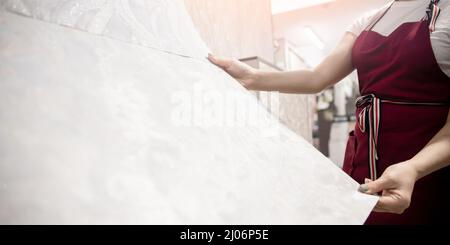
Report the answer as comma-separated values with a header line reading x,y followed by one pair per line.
x,y
361,23
440,39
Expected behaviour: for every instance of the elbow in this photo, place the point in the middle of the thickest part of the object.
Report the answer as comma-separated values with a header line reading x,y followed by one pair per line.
x,y
319,82
317,86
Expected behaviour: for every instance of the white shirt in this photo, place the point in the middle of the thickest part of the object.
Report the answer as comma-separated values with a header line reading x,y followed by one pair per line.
x,y
411,11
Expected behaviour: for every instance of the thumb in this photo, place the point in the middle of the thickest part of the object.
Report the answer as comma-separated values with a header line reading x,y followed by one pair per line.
x,y
221,62
374,187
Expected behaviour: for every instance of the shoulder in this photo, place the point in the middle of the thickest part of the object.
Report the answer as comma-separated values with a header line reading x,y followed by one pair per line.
x,y
366,19
443,21
444,3
441,37
445,10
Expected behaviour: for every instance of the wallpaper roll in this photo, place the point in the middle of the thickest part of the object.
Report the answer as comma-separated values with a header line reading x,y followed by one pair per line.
x,y
159,24
110,114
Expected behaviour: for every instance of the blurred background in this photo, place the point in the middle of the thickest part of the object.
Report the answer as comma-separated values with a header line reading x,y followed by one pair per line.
x,y
290,35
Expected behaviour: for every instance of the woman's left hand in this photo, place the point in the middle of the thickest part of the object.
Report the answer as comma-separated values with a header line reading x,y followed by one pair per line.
x,y
396,186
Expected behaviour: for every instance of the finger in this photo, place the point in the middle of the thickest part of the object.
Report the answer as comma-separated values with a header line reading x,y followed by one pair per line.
x,y
380,210
390,205
382,205
374,187
364,188
223,63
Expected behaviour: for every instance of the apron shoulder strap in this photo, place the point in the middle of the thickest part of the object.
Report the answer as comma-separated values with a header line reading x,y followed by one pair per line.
x,y
374,22
433,12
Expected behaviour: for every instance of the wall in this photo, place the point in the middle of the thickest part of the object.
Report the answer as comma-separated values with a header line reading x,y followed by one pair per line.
x,y
296,111
237,28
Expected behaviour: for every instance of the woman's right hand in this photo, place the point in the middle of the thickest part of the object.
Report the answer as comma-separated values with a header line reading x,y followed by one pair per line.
x,y
245,74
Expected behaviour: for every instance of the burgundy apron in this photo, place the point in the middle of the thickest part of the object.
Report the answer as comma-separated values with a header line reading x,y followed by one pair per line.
x,y
404,104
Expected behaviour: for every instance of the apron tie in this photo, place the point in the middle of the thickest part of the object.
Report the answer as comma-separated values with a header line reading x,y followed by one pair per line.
x,y
433,12
369,122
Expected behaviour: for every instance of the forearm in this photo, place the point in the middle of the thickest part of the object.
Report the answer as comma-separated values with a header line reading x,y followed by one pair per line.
x,y
435,156
302,81
331,70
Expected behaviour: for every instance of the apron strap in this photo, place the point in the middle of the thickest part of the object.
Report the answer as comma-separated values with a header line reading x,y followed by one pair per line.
x,y
375,22
433,12
369,122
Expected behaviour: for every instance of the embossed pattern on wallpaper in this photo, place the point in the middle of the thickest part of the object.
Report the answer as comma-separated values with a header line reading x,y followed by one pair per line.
x,y
160,24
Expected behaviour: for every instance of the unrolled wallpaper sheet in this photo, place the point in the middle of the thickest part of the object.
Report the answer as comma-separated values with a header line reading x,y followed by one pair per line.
x,y
110,114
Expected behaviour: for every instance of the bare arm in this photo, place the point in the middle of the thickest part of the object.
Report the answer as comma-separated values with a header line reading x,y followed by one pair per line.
x,y
436,155
334,68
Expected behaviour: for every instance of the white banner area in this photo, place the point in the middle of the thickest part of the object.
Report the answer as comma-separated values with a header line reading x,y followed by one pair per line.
x,y
110,114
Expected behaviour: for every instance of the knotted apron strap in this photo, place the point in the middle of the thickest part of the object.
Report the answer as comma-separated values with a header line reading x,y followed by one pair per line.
x,y
369,122
433,12
369,119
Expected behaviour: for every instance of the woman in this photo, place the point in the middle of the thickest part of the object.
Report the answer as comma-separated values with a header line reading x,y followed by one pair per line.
x,y
400,147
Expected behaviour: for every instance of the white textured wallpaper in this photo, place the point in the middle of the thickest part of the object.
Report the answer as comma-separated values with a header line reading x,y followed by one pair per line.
x,y
88,95
160,24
